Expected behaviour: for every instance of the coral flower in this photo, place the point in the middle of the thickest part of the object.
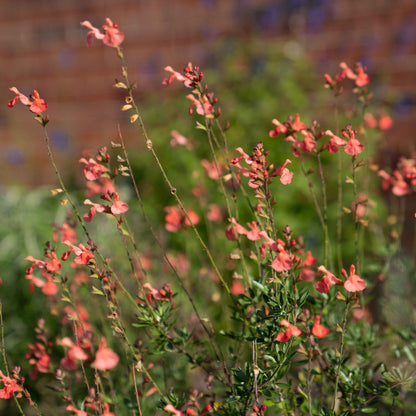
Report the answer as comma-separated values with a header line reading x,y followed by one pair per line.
x,y
105,358
291,331
111,36
92,169
324,285
353,147
319,330
10,386
36,104
354,283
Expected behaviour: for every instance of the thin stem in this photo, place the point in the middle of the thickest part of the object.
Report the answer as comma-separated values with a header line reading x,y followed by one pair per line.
x,y
325,212
321,217
136,391
173,190
356,222
339,213
215,347
341,351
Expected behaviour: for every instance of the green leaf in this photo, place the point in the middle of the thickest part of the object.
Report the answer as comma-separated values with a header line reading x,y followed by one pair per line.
x,y
369,410
200,126
96,291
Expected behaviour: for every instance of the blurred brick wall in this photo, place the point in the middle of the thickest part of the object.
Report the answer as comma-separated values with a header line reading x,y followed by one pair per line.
x,y
42,46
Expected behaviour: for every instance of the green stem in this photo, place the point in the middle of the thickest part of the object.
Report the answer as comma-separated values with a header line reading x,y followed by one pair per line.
x,y
341,351
173,190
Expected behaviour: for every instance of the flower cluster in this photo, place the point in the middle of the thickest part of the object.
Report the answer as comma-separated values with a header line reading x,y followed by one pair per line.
x,y
11,385
100,182
111,36
292,127
358,75
36,104
259,170
176,219
202,100
403,179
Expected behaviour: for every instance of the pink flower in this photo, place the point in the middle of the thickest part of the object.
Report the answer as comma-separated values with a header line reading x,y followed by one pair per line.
x,y
202,109
171,409
400,186
319,330
354,283
35,103
254,234
280,128
211,169
283,262
353,147
334,142
291,331
215,213
308,144
105,358
179,140
327,281
92,169
284,173
176,219
359,76
118,207
83,255
111,36
77,412
178,76
74,354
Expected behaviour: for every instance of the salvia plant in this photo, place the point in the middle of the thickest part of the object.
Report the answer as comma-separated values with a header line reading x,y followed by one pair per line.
x,y
225,311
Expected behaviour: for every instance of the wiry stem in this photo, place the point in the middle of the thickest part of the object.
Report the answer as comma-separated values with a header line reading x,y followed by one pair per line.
x,y
217,350
173,190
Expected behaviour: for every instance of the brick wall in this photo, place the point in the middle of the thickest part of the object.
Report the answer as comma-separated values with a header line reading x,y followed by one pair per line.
x,y
42,46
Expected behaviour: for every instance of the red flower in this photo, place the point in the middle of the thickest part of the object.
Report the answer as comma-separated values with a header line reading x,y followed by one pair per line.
x,y
10,386
54,265
354,283
35,103
111,36
237,287
105,358
291,331
319,330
